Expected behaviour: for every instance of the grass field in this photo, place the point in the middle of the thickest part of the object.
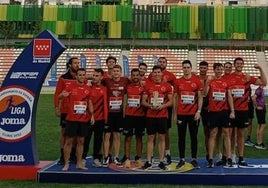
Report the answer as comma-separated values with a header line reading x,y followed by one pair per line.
x,y
48,130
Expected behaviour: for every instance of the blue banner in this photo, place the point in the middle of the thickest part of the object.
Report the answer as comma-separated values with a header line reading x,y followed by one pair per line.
x,y
140,59
126,66
155,59
98,61
68,57
53,72
83,61
19,96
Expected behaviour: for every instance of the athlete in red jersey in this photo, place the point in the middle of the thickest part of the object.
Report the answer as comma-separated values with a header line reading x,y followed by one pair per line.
x,y
65,80
203,69
157,98
80,112
227,71
116,87
219,96
240,88
134,118
99,101
187,103
170,78
143,71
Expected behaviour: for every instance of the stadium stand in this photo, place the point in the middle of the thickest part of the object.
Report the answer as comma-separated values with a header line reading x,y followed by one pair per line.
x,y
222,56
174,57
7,58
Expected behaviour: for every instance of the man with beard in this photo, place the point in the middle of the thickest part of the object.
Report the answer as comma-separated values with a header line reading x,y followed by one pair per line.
x,y
72,66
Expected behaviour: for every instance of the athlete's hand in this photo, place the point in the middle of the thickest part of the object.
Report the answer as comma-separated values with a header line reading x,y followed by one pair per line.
x,y
197,116
65,94
232,115
57,112
257,66
92,120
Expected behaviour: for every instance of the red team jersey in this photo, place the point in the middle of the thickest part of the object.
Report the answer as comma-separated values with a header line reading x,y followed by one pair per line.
x,y
218,95
116,92
167,76
133,107
78,102
187,90
240,88
163,89
99,101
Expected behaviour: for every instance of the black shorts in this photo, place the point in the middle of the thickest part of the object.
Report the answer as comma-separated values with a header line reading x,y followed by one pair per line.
x,y
156,125
75,128
241,119
219,119
250,110
63,120
261,116
134,125
115,122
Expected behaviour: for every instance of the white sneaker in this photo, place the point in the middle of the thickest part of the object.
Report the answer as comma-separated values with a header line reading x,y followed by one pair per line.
x,y
97,163
249,143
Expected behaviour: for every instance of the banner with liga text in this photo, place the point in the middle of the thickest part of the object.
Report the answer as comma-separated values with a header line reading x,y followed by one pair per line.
x,y
19,96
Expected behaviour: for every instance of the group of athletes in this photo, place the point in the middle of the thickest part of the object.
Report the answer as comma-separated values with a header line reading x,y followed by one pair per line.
x,y
111,104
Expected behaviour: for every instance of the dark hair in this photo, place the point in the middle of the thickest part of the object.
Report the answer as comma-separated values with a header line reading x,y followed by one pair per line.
x,y
228,63
238,59
216,65
187,62
203,63
157,67
162,58
110,57
70,61
134,70
143,64
118,67
99,70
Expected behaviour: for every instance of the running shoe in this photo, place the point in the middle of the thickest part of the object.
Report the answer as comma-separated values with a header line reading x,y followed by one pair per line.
x,y
195,163
180,164
260,146
210,163
249,143
162,166
147,165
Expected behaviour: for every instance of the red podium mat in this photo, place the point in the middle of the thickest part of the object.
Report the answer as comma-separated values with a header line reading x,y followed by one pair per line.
x,y
8,172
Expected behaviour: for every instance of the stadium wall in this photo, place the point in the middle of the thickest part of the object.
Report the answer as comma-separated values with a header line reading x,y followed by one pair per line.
x,y
136,22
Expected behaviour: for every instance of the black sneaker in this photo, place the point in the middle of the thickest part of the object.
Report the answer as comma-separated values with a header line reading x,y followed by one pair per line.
x,y
260,146
229,164
162,166
123,159
168,159
210,163
106,161
147,165
221,162
117,161
195,163
242,163
180,164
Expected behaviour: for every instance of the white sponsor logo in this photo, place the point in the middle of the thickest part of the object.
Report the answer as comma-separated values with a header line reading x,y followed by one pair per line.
x,y
12,158
24,75
41,60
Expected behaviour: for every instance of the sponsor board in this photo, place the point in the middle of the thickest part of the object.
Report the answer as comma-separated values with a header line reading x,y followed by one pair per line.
x,y
15,113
